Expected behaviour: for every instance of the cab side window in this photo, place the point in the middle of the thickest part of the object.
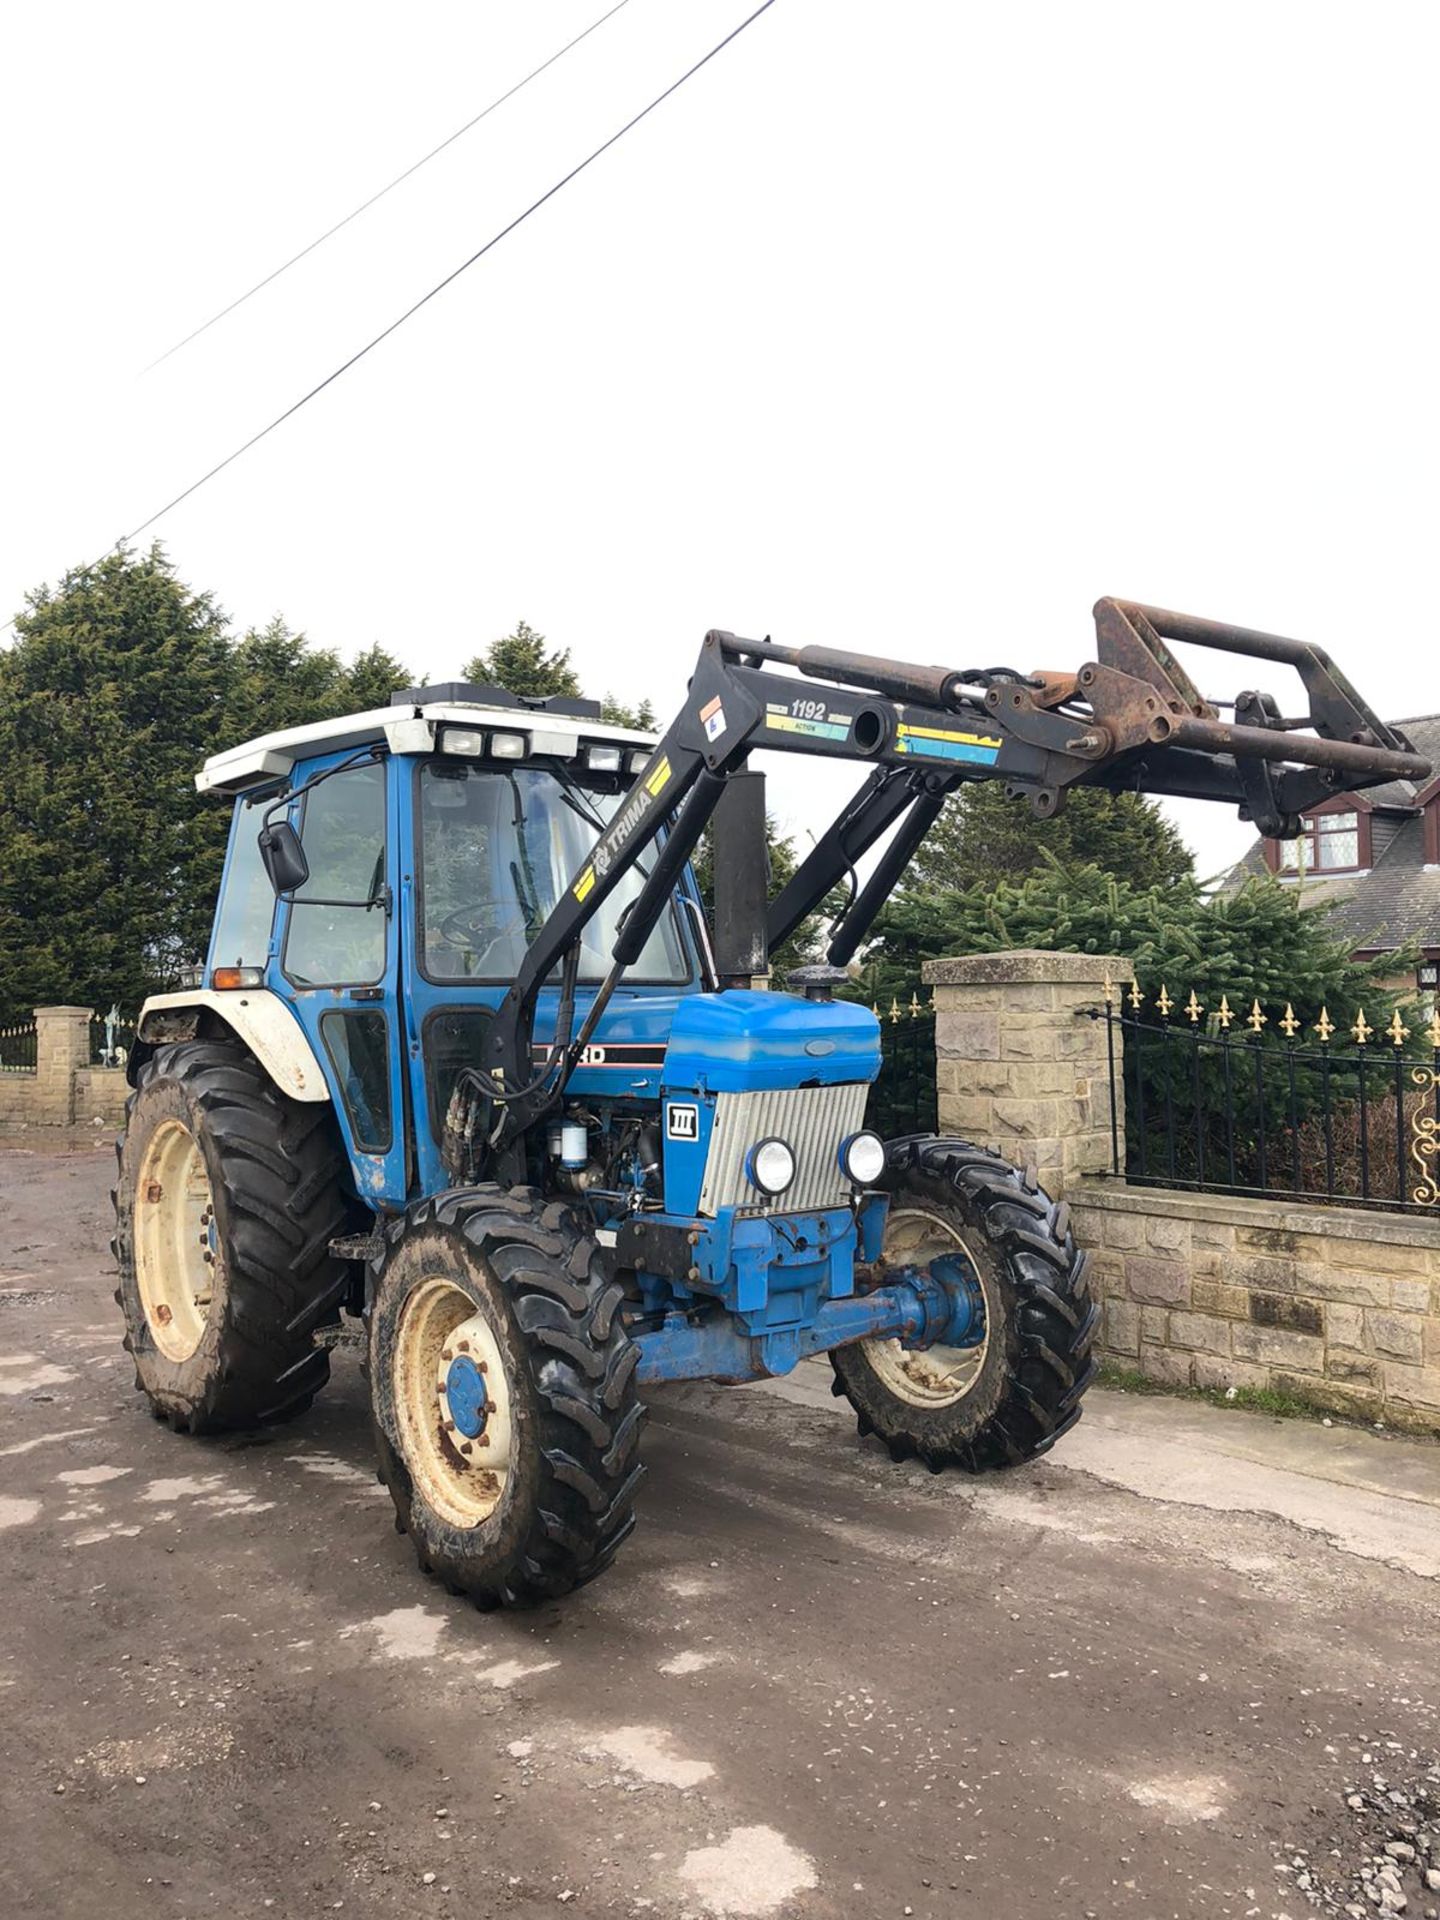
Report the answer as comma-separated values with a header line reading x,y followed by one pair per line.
x,y
247,905
336,935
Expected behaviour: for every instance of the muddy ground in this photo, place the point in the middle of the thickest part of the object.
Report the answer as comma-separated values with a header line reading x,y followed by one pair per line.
x,y
815,1684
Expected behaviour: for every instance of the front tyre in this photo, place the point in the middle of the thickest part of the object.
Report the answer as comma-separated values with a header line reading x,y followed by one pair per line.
x,y
1011,1397
502,1385
227,1199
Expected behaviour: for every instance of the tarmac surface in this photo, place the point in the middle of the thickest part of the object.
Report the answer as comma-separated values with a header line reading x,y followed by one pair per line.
x,y
1138,1679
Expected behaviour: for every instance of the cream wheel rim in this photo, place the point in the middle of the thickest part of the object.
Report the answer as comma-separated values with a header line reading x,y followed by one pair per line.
x,y
176,1244
931,1376
452,1403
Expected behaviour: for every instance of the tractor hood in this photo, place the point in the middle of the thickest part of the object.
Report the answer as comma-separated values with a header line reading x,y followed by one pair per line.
x,y
743,1042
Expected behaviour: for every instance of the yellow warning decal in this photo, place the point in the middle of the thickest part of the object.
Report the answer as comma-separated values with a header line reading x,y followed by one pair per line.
x,y
660,778
584,883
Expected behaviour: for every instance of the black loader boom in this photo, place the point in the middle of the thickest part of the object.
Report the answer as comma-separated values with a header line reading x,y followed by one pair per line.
x,y
1130,720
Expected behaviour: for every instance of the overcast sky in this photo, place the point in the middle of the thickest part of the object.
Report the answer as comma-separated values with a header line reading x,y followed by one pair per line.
x,y
908,327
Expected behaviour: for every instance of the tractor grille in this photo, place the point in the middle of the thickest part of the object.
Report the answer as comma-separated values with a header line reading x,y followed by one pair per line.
x,y
812,1121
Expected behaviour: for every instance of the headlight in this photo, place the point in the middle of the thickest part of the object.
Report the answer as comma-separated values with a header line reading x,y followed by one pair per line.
x,y
770,1166
862,1158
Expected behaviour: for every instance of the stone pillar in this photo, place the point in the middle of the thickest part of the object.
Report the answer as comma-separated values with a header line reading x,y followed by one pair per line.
x,y
1021,1066
62,1049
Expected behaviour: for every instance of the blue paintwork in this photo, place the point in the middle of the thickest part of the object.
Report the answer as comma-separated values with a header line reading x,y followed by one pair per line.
x,y
466,1396
943,1306
742,1042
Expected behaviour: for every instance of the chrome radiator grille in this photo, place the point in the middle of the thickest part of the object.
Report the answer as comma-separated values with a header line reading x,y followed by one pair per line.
x,y
812,1121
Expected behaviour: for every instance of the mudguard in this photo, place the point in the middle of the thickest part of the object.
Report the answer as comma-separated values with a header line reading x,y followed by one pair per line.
x,y
258,1018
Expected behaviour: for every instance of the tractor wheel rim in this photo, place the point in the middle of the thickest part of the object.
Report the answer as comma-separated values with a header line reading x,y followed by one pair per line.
x,y
176,1244
931,1376
452,1403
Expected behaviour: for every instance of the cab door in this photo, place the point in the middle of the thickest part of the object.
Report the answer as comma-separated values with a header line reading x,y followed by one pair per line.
x,y
336,957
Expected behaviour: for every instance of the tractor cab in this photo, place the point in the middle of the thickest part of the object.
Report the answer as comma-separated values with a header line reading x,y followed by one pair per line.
x,y
436,837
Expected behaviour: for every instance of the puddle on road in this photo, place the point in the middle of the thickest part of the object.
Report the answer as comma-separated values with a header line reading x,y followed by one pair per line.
x,y
13,1383
646,1751
405,1633
753,1872
1181,1798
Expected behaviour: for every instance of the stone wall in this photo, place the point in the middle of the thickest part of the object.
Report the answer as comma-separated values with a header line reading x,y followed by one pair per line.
x,y
1337,1305
1022,1062
64,1090
100,1094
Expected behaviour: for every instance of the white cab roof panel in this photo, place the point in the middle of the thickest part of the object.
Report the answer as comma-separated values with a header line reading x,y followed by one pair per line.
x,y
408,729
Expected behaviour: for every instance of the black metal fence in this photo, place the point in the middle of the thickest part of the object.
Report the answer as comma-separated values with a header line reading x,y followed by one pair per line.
x,y
1222,1101
17,1048
904,1098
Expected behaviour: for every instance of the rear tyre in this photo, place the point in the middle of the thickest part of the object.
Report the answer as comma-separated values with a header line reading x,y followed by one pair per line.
x,y
1010,1398
502,1385
227,1199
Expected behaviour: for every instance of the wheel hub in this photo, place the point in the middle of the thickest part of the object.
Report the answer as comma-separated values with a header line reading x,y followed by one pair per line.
x,y
954,1303
944,1364
466,1401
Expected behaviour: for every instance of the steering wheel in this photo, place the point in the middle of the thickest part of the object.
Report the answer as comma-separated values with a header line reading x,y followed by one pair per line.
x,y
477,928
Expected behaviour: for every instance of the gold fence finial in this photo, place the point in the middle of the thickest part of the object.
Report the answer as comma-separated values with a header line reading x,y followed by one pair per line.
x,y
1163,1000
1397,1032
1325,1026
1193,1009
1108,989
1256,1019
914,1004
1433,1030
894,1008
1225,1014
1135,997
1289,1026
1362,1029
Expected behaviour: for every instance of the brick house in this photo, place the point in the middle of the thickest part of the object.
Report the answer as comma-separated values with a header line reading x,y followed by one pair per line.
x,y
1377,855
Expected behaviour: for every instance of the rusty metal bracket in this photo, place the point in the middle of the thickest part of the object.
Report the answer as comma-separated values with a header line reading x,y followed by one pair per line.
x,y
1128,640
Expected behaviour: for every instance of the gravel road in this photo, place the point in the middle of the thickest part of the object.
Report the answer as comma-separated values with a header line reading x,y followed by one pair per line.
x,y
1139,1679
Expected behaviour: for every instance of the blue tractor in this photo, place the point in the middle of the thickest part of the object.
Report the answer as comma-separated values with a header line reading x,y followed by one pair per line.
x,y
471,1060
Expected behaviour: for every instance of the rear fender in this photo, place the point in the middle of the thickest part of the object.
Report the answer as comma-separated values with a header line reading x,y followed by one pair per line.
x,y
257,1018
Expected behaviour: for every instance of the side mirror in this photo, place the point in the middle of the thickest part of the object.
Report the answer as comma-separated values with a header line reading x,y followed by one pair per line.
x,y
283,856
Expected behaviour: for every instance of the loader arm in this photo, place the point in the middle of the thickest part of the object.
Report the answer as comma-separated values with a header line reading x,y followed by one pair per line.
x,y
1129,721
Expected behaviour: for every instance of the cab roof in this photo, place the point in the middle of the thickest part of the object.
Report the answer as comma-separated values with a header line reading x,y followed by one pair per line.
x,y
409,725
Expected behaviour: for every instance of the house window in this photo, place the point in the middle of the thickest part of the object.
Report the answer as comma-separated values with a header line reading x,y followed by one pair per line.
x,y
1428,982
1329,843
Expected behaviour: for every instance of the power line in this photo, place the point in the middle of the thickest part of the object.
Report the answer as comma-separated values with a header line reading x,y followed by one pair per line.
x,y
365,205
441,285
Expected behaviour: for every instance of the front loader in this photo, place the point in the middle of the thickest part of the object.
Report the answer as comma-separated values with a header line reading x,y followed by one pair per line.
x,y
470,1061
